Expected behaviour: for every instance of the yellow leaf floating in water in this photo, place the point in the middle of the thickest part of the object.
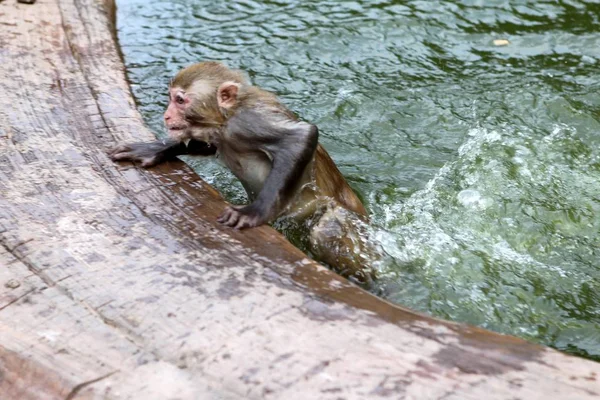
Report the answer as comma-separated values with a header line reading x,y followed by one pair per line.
x,y
501,42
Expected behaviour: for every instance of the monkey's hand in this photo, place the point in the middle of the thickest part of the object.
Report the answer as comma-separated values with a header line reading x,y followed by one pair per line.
x,y
148,154
151,154
241,217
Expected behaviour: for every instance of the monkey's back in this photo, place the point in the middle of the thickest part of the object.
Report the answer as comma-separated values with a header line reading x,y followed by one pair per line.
x,y
331,183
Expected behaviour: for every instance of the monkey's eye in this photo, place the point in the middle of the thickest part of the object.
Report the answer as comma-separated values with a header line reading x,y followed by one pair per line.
x,y
179,99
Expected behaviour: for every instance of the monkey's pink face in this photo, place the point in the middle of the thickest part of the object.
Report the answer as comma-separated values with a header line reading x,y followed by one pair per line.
x,y
178,127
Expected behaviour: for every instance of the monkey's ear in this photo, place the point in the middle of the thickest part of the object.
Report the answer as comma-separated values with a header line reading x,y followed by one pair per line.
x,y
227,94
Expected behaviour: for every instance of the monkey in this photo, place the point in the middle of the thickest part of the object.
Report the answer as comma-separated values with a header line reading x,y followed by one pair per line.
x,y
214,111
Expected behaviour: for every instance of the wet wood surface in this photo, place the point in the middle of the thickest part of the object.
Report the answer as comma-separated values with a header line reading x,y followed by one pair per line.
x,y
116,282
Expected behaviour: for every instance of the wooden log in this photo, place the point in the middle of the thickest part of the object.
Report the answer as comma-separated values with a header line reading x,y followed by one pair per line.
x,y
116,282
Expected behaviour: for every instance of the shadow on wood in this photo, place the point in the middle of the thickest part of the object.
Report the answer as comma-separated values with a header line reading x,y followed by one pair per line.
x,y
116,282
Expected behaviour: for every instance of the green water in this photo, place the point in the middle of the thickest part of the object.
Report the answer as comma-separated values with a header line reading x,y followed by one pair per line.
x,y
480,164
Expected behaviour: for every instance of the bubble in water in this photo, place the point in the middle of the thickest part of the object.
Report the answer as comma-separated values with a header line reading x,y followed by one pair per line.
x,y
471,198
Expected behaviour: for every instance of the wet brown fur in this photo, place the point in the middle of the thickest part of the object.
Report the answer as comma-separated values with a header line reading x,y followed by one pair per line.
x,y
331,183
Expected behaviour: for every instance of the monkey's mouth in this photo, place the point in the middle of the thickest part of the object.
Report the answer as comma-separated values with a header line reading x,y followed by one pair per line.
x,y
178,132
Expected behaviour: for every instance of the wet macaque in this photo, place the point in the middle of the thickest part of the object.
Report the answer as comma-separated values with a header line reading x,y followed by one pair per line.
x,y
213,110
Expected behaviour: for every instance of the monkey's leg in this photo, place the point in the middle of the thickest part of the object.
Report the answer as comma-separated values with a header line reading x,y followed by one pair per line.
x,y
339,239
153,153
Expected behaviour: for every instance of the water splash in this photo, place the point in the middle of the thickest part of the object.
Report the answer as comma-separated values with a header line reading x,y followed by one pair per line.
x,y
496,236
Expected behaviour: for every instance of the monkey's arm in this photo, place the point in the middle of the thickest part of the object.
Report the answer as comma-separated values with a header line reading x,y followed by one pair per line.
x,y
291,146
153,153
